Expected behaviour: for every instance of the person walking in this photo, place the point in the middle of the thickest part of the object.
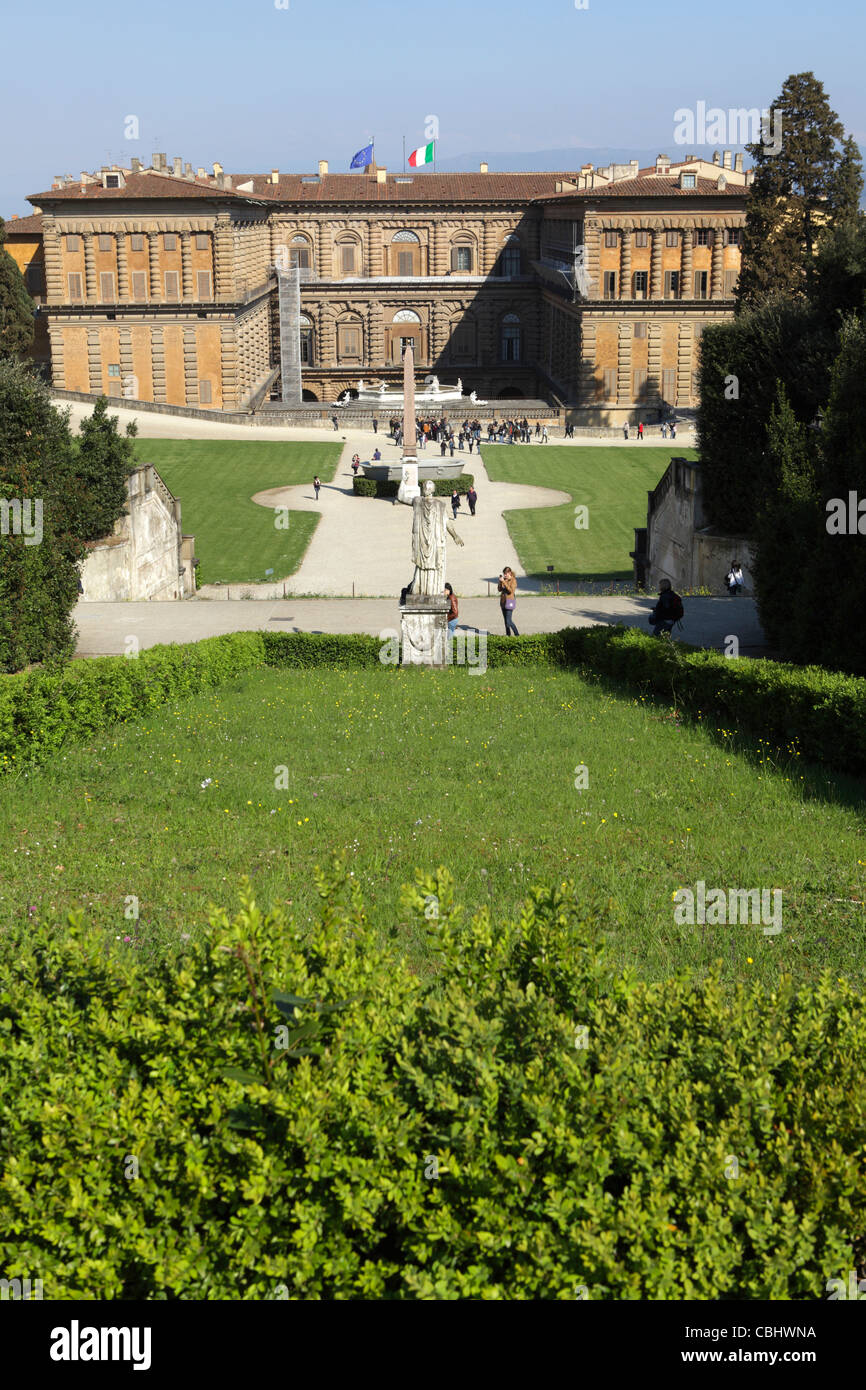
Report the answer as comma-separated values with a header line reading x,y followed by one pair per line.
x,y
507,601
453,611
472,498
375,425
667,611
451,444
625,431
336,422
738,578
443,446
544,435
317,485
664,429
673,429
356,463
640,429
455,503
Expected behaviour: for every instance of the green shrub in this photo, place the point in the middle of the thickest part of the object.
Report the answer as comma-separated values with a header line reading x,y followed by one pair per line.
x,y
305,649
522,1124
370,487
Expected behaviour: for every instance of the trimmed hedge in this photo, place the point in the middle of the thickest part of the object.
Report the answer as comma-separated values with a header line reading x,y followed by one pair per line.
x,y
370,487
823,712
289,1112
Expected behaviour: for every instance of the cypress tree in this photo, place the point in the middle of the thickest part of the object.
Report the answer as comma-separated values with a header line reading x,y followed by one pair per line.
x,y
16,307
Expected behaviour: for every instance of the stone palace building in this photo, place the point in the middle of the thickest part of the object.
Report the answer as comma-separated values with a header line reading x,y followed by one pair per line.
x,y
587,288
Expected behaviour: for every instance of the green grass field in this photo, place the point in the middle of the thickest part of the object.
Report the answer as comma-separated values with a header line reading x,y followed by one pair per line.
x,y
236,539
612,483
404,769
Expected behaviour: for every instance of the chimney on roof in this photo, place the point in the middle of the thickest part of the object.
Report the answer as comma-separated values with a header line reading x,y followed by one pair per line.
x,y
726,159
217,168
586,168
323,168
187,170
201,172
228,180
485,167
158,162
275,176
85,178
663,163
178,166
135,164
220,179
634,165
738,163
381,175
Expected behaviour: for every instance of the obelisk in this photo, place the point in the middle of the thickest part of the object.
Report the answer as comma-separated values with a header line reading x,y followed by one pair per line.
x,y
409,489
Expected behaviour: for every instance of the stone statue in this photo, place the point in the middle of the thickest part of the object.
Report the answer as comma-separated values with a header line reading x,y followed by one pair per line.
x,y
429,524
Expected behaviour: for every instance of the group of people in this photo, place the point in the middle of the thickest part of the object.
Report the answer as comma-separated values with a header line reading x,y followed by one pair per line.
x,y
516,432
471,498
734,578
507,586
665,426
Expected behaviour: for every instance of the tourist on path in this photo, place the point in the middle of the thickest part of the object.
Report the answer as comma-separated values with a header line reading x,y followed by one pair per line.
x,y
668,610
375,425
451,445
673,429
625,431
356,463
453,611
507,602
336,422
544,435
472,498
455,502
317,485
640,429
664,429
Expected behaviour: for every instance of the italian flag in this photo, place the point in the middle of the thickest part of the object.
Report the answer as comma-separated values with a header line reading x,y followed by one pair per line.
x,y
425,155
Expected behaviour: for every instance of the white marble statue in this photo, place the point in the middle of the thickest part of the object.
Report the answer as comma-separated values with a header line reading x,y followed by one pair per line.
x,y
429,524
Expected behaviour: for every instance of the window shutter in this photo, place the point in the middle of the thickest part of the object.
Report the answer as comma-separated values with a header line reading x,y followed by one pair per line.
x,y
203,282
139,285
171,285
74,280
205,395
106,287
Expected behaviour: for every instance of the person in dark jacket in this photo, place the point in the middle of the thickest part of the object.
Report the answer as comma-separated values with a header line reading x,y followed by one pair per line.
x,y
668,609
453,611
455,503
472,498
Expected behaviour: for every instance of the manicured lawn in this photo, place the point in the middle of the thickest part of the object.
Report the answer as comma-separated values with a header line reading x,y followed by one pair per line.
x,y
401,770
236,539
612,483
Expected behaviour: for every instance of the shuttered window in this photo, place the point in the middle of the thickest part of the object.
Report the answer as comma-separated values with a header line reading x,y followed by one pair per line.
x,y
203,290
74,281
610,383
205,394
172,285
139,285
106,287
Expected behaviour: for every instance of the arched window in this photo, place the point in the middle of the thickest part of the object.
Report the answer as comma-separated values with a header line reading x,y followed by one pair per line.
x,y
405,254
306,341
406,327
463,255
350,340
511,260
511,338
300,252
406,316
348,256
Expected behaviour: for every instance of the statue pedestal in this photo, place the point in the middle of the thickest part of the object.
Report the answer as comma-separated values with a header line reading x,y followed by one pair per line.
x,y
424,624
408,489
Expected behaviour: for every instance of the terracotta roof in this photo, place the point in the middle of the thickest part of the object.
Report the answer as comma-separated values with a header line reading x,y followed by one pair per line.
x,y
24,226
659,188
145,185
423,188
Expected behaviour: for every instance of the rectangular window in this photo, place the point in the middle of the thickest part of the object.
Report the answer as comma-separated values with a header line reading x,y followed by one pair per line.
x,y
610,383
136,243
639,383
461,259
205,395
348,259
74,281
73,243
405,263
611,238
700,284
735,236
35,278
669,385
114,369
463,341
703,236
105,242
202,241
640,330
672,238
203,284
349,342
170,242
640,284
672,284
641,239
106,287
172,285
688,180
300,256
731,278
610,284
139,285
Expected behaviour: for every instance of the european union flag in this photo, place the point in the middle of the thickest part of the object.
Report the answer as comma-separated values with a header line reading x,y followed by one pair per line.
x,y
363,157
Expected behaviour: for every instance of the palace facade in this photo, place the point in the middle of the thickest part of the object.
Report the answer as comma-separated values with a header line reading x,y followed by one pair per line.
x,y
589,288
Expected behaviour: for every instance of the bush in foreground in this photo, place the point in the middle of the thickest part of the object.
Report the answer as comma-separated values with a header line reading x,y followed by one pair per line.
x,y
291,1113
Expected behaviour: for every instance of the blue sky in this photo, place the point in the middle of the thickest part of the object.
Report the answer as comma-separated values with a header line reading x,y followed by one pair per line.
x,y
255,86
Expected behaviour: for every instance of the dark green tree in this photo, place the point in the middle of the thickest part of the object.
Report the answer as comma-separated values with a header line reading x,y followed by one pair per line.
x,y
813,181
16,307
46,514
